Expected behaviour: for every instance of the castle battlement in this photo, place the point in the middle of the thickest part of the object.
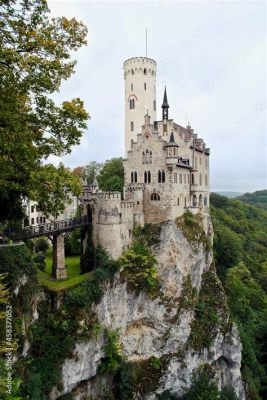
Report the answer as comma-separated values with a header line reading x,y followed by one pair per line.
x,y
108,195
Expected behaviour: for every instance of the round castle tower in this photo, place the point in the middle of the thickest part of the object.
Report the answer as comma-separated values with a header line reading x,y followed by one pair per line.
x,y
140,95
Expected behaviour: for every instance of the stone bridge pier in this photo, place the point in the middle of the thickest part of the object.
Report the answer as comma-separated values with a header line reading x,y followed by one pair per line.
x,y
59,268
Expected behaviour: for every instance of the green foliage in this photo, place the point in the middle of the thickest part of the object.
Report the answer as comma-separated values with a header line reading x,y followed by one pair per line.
x,y
73,243
203,387
192,227
39,261
139,265
112,350
241,251
41,244
111,175
91,171
35,58
258,198
227,393
210,312
15,260
149,233
67,396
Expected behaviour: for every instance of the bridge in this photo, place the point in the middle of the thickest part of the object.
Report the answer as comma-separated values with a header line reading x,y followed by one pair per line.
x,y
57,230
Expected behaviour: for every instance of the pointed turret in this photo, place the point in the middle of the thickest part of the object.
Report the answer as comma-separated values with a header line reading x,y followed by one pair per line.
x,y
165,106
171,151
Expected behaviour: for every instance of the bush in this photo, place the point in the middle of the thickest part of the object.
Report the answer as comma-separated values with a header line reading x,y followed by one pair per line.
x,y
41,244
113,358
39,260
203,387
16,261
139,269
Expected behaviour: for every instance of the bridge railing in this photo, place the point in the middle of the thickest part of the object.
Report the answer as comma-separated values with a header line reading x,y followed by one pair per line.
x,y
51,227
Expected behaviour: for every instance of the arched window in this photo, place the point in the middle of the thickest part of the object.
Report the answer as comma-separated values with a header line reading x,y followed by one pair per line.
x,y
205,201
132,126
147,156
155,197
150,158
159,176
178,201
194,200
131,87
135,176
200,201
132,104
143,158
200,179
163,176
145,85
145,71
145,177
148,177
132,177
132,72
192,179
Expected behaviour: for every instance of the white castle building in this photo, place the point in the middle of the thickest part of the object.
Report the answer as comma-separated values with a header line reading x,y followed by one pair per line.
x,y
166,167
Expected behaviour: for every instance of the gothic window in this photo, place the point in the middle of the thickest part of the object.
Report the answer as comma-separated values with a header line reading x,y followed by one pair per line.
x,y
163,176
147,156
145,177
150,158
132,104
206,180
143,158
132,126
178,201
132,177
194,200
135,176
180,178
159,176
132,72
154,105
192,179
155,197
145,71
145,85
131,87
200,200
200,179
175,177
148,177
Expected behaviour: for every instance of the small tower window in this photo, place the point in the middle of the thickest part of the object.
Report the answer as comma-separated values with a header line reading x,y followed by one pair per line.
x,y
159,176
135,176
145,177
155,197
163,176
145,85
145,72
131,87
132,126
148,177
132,72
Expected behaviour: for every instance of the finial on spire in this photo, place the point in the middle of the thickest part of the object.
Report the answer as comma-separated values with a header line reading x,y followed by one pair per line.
x,y
165,106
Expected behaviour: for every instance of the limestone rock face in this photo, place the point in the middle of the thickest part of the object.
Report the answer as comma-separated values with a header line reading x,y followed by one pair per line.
x,y
160,327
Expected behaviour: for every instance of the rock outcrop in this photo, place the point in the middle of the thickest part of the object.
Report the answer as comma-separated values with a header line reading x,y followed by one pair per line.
x,y
168,327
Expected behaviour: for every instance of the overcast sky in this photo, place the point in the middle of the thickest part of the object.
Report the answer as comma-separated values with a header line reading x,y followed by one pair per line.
x,y
212,57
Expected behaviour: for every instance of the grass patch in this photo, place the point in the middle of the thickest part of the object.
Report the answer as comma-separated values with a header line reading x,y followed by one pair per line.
x,y
73,272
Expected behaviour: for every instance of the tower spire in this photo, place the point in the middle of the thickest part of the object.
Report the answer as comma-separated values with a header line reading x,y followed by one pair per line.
x,y
165,106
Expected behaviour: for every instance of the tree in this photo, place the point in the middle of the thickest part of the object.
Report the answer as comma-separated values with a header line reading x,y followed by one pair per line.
x,y
111,176
92,171
35,52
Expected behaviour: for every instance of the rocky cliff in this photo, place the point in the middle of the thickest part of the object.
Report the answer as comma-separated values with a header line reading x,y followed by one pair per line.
x,y
169,336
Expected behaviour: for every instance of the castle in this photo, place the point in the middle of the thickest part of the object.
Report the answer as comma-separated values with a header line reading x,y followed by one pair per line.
x,y
166,167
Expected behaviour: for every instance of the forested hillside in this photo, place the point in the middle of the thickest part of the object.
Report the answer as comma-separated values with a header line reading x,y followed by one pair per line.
x,y
240,250
258,199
